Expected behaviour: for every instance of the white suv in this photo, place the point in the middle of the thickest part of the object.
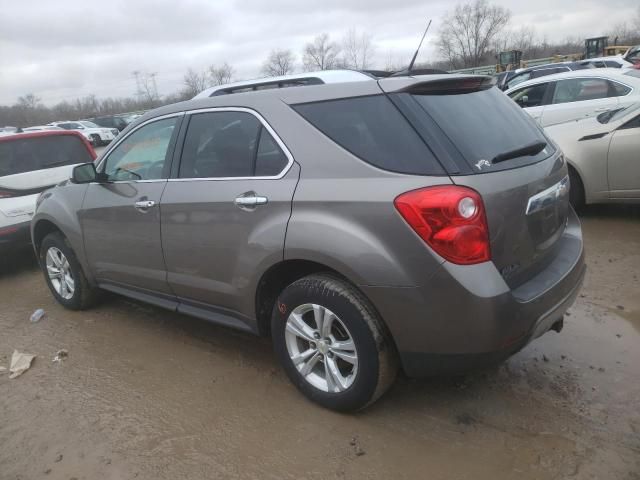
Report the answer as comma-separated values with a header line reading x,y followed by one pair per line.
x,y
29,164
96,134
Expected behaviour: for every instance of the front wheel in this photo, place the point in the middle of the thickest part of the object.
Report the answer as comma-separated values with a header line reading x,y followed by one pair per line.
x,y
96,140
332,344
64,275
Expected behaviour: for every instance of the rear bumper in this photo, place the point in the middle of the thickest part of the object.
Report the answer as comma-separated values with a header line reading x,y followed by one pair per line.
x,y
466,317
15,236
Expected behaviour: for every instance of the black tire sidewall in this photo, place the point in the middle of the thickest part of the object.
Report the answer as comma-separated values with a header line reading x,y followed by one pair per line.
x,y
58,241
351,314
576,191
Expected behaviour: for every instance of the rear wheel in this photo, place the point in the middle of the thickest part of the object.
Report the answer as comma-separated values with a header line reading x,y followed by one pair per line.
x,y
64,275
96,140
576,190
332,344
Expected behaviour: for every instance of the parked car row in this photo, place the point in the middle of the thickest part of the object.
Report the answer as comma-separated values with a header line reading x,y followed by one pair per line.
x,y
593,116
508,80
97,135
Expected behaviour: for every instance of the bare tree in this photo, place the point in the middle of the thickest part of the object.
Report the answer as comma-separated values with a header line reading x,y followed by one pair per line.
x,y
194,83
279,62
219,75
321,54
29,101
468,32
357,49
149,89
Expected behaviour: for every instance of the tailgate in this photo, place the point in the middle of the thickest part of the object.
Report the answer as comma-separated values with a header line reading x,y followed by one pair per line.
x,y
527,211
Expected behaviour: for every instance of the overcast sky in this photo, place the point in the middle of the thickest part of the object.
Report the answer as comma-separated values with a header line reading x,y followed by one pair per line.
x,y
63,49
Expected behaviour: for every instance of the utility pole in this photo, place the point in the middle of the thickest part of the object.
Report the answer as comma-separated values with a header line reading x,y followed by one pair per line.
x,y
138,94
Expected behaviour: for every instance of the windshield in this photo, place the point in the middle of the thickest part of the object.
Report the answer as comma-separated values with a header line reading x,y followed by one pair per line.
x,y
88,124
22,155
486,125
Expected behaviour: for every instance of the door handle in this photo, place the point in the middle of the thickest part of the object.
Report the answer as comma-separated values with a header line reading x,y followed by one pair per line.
x,y
250,201
602,109
144,204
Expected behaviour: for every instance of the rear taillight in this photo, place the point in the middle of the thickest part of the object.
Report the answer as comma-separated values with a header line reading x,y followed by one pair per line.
x,y
6,193
451,219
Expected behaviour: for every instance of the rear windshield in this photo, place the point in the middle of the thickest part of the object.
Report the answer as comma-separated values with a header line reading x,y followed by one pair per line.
x,y
374,130
484,124
22,155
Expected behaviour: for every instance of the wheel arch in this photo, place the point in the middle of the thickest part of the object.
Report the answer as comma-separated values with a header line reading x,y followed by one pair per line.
x,y
274,280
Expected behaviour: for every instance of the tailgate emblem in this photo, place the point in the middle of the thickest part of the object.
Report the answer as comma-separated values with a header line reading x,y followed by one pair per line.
x,y
482,163
548,197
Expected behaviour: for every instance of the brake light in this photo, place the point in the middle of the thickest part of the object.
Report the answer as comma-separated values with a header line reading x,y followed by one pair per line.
x,y
6,194
450,219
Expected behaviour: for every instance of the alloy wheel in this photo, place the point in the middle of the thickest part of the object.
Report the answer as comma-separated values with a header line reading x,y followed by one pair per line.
x,y
321,348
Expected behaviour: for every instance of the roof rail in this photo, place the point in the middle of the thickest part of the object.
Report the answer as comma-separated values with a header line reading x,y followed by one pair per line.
x,y
296,80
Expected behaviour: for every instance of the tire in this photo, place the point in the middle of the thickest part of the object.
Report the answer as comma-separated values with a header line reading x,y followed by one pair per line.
x,y
96,140
576,190
80,295
350,316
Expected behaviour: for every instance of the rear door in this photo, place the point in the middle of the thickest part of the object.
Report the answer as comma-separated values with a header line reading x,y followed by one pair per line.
x,y
623,164
121,217
225,213
577,98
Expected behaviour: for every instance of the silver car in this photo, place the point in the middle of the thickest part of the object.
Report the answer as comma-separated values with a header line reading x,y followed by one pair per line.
x,y
420,223
603,155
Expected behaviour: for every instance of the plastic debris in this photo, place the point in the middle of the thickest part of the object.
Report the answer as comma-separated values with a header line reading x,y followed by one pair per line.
x,y
38,315
60,355
20,363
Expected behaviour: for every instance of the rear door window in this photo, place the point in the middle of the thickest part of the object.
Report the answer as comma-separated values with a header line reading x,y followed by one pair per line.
x,y
372,129
580,90
229,145
41,153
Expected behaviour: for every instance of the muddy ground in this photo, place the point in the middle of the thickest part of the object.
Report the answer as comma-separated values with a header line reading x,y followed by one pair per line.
x,y
149,394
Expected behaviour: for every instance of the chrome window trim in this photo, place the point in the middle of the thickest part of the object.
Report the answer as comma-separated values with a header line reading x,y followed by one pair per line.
x,y
115,145
265,124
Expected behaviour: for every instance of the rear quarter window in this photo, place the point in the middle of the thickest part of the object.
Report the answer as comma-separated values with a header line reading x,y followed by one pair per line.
x,y
23,155
372,129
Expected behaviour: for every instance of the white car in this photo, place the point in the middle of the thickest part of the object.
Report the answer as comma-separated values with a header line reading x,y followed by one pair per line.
x,y
97,135
602,153
39,128
578,94
29,164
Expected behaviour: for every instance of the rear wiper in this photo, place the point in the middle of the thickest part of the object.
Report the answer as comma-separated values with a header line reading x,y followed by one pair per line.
x,y
532,149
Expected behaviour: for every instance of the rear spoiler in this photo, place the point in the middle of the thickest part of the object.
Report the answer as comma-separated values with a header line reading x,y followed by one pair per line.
x,y
440,85
451,86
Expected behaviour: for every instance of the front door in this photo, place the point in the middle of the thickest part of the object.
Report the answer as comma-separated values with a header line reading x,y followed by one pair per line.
x,y
121,217
624,161
224,217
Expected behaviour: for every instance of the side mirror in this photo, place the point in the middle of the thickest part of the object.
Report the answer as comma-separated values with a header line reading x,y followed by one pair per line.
x,y
86,173
523,100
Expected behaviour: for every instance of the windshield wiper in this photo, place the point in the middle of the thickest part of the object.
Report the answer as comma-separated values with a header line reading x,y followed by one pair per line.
x,y
532,149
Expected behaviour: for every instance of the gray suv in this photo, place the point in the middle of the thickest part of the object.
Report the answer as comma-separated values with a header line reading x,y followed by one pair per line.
x,y
415,223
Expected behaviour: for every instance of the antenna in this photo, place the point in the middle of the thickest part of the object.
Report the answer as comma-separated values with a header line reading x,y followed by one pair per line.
x,y
413,60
